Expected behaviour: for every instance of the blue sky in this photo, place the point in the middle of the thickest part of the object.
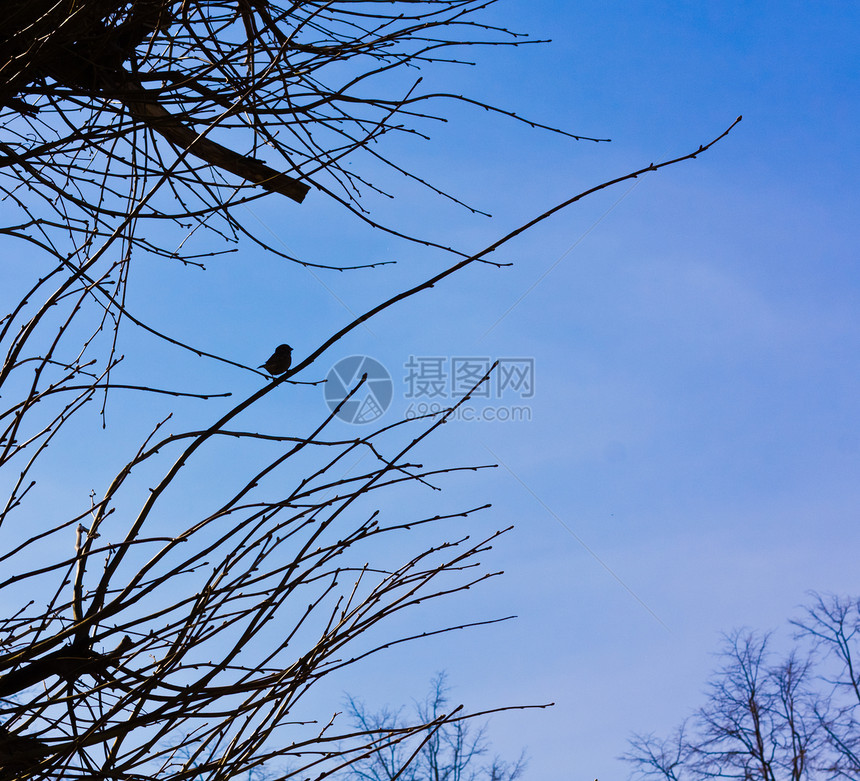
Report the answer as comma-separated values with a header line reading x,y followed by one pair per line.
x,y
695,421
691,462
694,444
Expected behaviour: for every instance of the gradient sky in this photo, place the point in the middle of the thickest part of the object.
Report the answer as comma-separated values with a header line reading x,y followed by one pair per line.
x,y
695,442
692,460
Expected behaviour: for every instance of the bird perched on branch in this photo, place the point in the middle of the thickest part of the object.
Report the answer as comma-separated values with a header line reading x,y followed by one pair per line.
x,y
280,360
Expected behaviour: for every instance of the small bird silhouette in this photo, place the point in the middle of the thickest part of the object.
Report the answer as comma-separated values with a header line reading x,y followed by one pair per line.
x,y
280,360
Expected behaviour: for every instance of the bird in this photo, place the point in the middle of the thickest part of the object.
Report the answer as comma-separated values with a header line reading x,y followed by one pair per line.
x,y
280,360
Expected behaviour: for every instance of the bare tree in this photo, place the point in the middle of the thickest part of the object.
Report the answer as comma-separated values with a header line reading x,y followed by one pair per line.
x,y
141,637
832,624
771,717
121,114
453,750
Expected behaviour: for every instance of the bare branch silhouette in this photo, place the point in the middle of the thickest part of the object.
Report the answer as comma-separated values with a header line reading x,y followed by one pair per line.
x,y
156,627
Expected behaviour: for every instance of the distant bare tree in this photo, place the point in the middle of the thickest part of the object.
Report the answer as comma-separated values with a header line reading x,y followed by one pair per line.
x,y
453,749
832,623
151,629
768,717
